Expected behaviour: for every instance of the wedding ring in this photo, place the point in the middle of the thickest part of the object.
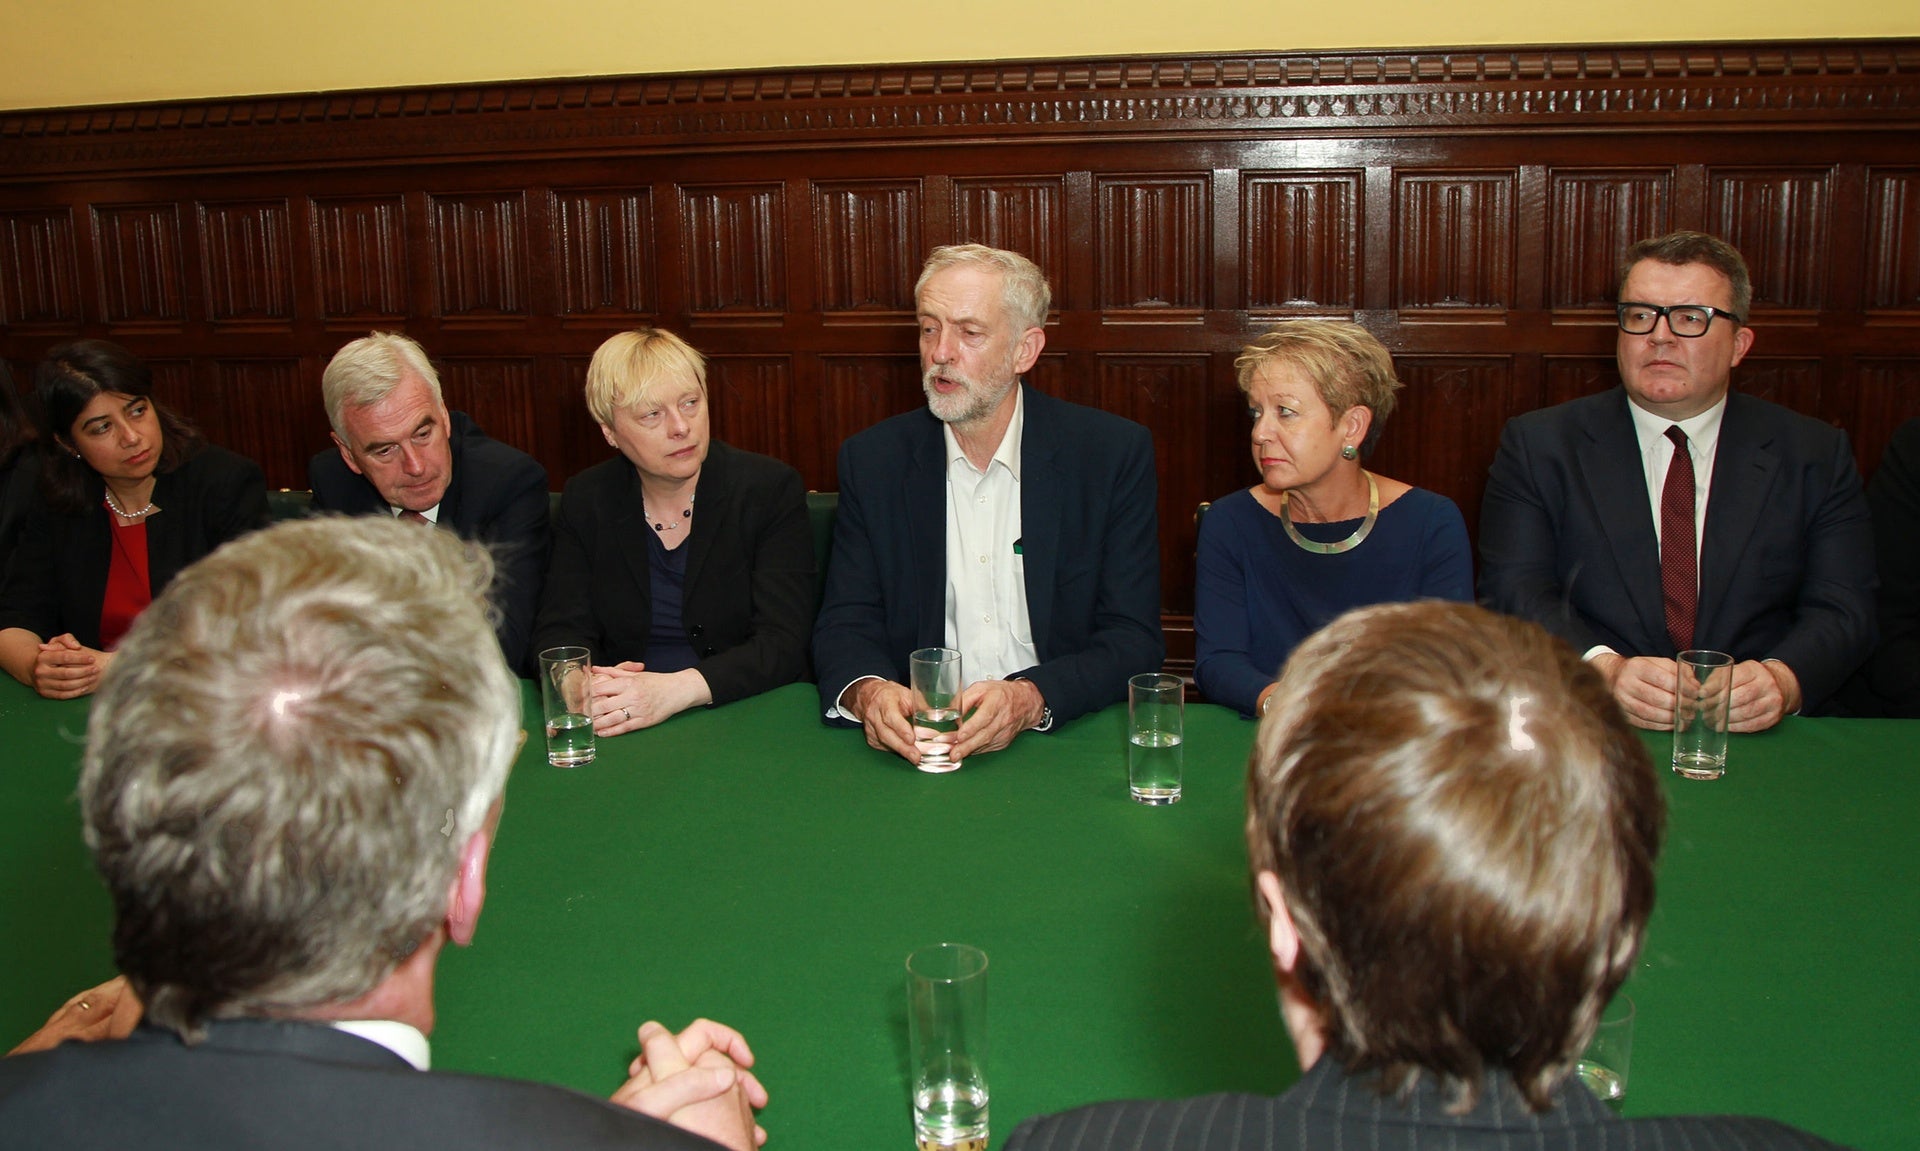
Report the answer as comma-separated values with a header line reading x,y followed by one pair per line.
x,y
628,712
85,1006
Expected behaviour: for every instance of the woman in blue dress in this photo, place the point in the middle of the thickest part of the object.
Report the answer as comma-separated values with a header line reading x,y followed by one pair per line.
x,y
1319,534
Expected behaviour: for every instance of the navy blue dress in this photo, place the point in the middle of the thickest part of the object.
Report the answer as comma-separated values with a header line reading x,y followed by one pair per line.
x,y
1257,594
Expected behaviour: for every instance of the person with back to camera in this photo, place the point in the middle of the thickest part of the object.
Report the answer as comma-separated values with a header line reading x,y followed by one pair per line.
x,y
131,494
1319,533
1442,960
685,565
292,781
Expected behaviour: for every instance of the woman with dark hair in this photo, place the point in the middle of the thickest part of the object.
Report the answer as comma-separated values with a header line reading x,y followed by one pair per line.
x,y
130,495
19,465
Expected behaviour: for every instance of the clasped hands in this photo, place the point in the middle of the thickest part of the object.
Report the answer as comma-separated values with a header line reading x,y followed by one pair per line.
x,y
627,697
698,1081
1764,692
992,711
64,668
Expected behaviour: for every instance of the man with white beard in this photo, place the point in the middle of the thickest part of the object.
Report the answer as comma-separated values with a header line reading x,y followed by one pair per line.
x,y
1014,527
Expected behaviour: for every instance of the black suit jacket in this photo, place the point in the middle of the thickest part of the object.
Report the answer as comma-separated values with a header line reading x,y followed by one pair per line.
x,y
1786,559
1329,1109
748,605
497,496
57,579
301,1086
1889,683
1089,527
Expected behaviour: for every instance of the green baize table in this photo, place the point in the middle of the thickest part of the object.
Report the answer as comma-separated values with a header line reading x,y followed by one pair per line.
x,y
749,864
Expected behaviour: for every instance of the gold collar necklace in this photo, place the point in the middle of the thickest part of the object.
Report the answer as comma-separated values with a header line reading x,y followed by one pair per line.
x,y
1346,545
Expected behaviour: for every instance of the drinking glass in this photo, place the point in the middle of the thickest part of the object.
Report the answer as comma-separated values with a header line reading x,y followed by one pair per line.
x,y
947,1043
1603,1065
1156,729
566,677
935,683
1703,689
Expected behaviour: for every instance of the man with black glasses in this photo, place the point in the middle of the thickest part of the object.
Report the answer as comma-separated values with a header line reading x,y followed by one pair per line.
x,y
1667,514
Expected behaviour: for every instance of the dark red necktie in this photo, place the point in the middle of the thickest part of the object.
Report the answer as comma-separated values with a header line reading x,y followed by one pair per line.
x,y
414,517
1679,566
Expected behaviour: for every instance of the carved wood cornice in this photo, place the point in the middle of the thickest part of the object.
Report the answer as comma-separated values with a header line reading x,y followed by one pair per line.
x,y
1857,85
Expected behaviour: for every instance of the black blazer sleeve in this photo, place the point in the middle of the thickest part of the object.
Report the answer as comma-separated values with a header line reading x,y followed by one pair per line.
x,y
762,546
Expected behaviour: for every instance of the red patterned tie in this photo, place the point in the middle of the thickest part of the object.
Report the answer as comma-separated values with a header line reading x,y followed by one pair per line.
x,y
1679,566
413,517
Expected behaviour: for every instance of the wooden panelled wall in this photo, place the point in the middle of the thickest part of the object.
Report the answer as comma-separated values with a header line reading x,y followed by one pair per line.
x,y
1467,206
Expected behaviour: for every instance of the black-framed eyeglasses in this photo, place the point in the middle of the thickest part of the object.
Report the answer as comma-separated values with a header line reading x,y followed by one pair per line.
x,y
1688,321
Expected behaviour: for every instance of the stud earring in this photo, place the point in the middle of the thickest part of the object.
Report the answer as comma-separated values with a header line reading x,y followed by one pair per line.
x,y
1349,452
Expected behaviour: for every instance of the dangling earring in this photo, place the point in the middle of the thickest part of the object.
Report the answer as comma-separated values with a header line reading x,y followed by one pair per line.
x,y
1349,452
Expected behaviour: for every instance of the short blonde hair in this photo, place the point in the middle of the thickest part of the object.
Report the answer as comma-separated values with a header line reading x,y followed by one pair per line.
x,y
630,369
1023,286
1348,367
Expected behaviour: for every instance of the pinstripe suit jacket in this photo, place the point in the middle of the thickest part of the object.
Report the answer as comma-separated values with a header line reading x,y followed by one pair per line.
x,y
1329,1109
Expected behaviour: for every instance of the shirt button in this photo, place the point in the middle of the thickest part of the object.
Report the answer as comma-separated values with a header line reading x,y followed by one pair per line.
x,y
983,559
986,619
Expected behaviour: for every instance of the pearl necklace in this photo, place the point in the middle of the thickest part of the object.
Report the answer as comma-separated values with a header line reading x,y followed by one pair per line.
x,y
1345,545
113,506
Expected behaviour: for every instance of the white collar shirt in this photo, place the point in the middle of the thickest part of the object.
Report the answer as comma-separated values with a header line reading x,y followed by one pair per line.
x,y
986,617
1656,456
403,1039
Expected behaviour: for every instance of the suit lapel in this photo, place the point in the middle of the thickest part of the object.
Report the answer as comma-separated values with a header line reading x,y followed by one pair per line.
x,y
711,497
1039,516
630,531
1610,467
1744,464
926,511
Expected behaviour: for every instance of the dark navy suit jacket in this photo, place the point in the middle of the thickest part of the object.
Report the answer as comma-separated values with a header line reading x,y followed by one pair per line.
x,y
1330,1109
497,496
304,1086
1090,543
1786,559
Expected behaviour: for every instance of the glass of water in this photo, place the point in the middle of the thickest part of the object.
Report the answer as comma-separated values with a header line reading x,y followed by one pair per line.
x,y
935,682
947,1043
566,679
1156,728
1703,690
1603,1065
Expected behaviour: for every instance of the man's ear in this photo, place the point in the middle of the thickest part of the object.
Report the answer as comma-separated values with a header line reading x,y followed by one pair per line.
x,y
469,887
344,453
1742,344
1283,939
1031,341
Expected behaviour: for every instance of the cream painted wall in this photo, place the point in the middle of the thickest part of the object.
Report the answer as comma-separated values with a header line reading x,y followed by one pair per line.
x,y
56,53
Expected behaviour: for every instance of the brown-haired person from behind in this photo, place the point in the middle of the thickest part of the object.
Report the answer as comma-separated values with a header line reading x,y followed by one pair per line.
x,y
19,465
1405,745
130,495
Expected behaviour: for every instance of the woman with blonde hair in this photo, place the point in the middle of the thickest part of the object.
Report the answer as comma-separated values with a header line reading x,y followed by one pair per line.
x,y
684,565
1319,533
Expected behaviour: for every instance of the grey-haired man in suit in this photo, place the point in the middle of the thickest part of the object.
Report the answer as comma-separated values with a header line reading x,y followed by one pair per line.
x,y
292,779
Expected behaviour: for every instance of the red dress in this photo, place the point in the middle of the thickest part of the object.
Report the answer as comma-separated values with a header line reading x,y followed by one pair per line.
x,y
129,590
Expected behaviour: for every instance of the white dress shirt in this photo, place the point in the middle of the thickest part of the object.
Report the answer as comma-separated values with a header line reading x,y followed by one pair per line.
x,y
986,573
403,1039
